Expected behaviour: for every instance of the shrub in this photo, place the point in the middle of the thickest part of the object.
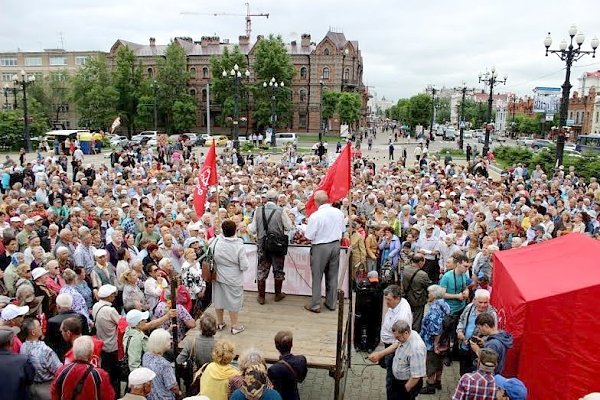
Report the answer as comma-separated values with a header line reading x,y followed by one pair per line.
x,y
452,151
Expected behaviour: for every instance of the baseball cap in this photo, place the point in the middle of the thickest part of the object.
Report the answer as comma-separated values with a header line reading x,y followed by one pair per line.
x,y
29,221
106,290
12,311
139,376
99,252
513,387
38,272
135,316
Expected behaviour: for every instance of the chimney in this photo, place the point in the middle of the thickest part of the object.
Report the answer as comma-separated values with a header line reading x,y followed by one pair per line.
x,y
204,40
152,42
305,42
244,40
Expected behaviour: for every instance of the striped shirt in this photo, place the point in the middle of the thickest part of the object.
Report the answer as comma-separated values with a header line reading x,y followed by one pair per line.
x,y
44,360
409,359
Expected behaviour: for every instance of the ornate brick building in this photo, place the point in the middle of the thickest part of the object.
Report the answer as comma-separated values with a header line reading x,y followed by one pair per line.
x,y
333,63
581,112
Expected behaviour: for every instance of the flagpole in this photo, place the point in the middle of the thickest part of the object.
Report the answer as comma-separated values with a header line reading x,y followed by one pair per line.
x,y
350,277
218,225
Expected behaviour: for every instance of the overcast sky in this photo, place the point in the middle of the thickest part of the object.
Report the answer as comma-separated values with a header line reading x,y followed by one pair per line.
x,y
406,45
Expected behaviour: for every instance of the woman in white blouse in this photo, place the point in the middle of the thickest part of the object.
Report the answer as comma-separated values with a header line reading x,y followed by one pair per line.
x,y
191,275
154,286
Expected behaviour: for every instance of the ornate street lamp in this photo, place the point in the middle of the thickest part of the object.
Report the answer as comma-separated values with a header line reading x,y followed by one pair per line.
x,y
490,79
273,86
23,83
236,75
568,53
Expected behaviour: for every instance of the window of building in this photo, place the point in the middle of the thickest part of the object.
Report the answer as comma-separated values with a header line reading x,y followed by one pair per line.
x,y
303,73
326,52
58,60
81,60
193,92
302,121
203,94
571,115
33,61
597,115
577,118
302,95
7,76
205,73
326,73
193,73
150,72
8,61
39,76
347,74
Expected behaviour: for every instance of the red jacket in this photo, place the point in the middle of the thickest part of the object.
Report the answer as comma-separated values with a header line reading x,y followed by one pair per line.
x,y
96,385
95,361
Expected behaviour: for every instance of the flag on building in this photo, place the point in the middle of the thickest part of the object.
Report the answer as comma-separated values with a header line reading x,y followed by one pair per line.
x,y
206,178
337,181
116,123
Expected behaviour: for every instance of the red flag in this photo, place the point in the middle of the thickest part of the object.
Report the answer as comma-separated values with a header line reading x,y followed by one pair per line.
x,y
206,178
337,181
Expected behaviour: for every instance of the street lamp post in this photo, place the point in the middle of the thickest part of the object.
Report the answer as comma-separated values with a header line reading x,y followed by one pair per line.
x,y
154,86
273,87
5,90
433,91
463,90
322,122
513,124
236,74
490,79
344,54
568,53
23,83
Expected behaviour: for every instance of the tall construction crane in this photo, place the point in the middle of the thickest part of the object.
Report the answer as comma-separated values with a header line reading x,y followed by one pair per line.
x,y
247,15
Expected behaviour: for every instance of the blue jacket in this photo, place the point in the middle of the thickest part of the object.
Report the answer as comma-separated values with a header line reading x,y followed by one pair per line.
x,y
17,373
394,250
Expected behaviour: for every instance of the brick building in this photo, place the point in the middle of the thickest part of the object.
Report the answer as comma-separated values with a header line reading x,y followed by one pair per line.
x,y
581,112
333,63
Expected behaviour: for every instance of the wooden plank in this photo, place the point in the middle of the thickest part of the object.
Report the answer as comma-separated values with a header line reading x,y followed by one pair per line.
x,y
314,334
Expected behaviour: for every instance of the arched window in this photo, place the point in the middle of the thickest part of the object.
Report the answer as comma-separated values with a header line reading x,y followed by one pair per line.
x,y
205,73
303,73
193,92
347,74
193,73
203,94
326,73
302,95
150,72
326,52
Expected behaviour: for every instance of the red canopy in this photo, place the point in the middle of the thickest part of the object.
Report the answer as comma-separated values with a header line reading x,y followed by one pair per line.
x,y
548,297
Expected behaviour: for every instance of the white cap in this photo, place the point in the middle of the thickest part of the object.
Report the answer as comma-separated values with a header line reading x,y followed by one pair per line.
x,y
99,252
106,290
139,376
134,317
29,221
12,311
64,300
38,272
15,219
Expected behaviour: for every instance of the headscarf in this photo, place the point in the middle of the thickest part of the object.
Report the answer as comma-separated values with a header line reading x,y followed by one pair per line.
x,y
255,382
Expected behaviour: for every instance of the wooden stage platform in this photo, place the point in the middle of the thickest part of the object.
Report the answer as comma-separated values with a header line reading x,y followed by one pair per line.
x,y
315,335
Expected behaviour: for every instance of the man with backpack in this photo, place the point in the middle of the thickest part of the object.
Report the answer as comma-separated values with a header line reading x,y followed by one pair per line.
x,y
270,225
81,379
415,282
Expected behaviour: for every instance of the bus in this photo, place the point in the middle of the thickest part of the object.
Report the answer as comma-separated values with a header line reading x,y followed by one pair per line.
x,y
588,143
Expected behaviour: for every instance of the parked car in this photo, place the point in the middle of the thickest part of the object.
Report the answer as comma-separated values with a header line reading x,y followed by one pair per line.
x,y
118,140
481,139
525,141
220,140
450,134
540,143
468,134
478,133
500,138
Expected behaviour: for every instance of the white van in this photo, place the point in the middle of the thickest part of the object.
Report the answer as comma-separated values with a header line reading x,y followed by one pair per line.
x,y
282,139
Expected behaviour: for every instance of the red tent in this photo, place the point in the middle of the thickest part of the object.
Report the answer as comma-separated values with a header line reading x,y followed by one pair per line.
x,y
547,296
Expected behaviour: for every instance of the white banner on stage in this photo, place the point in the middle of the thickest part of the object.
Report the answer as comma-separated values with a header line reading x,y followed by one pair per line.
x,y
297,270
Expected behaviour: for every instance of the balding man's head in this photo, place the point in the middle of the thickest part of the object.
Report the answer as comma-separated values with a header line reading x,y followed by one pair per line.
x,y
321,197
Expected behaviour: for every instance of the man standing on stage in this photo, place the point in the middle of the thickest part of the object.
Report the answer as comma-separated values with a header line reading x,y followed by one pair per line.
x,y
275,220
325,229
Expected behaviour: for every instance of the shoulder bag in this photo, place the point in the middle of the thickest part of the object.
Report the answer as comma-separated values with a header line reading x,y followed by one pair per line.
x,y
274,243
209,266
124,363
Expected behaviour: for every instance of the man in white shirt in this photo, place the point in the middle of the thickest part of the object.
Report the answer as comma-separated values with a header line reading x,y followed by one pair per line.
x,y
325,229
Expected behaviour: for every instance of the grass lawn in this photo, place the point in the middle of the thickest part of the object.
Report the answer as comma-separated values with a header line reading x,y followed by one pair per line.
x,y
313,138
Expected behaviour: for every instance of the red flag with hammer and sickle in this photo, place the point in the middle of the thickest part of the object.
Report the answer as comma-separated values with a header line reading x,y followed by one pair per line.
x,y
206,178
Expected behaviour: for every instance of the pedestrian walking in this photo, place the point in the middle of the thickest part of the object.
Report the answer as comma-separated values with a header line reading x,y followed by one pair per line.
x,y
391,152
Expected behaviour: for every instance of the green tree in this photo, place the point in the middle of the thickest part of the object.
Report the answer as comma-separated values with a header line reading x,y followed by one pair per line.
x,y
419,110
348,107
127,79
272,61
442,113
527,124
172,84
184,114
329,103
93,93
12,127
222,88
52,92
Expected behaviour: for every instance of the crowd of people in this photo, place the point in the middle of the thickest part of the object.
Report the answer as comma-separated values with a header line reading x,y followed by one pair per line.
x,y
88,256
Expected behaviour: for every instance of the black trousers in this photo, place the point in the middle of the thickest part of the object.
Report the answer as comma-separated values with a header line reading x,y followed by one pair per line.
x,y
399,392
110,363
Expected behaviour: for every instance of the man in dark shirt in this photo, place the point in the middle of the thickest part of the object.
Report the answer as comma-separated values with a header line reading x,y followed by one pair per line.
x,y
16,370
54,338
289,370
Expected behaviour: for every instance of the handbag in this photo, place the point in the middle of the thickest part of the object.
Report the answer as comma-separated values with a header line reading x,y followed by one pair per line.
x,y
274,243
209,266
124,363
